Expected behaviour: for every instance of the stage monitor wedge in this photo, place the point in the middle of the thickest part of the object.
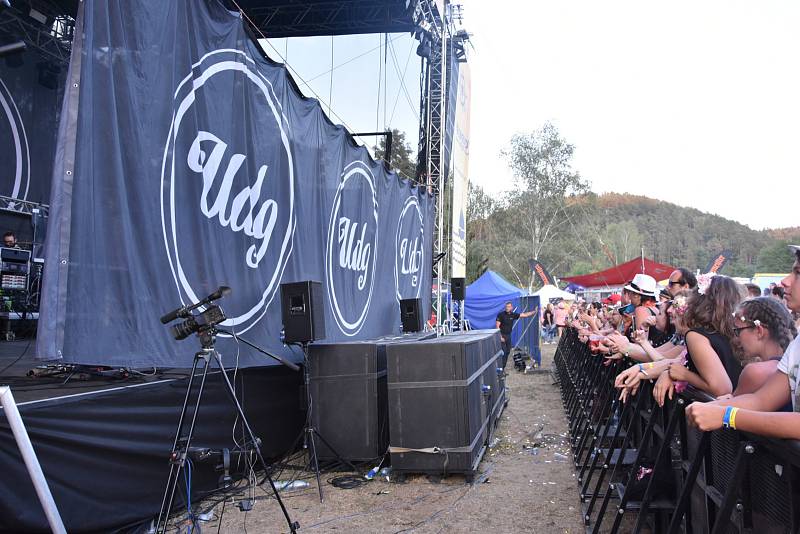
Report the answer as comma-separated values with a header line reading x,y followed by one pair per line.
x,y
303,312
411,315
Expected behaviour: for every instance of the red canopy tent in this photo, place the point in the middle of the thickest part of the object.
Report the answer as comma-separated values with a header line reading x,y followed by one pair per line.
x,y
623,273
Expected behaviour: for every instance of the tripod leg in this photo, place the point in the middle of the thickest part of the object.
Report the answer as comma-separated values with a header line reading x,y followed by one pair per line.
x,y
232,394
311,433
177,463
336,454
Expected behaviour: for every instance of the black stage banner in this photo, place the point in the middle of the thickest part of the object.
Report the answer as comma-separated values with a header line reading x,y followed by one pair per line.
x,y
186,161
30,91
30,102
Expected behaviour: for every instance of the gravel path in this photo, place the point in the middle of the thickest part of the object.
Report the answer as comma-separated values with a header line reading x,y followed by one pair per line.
x,y
528,486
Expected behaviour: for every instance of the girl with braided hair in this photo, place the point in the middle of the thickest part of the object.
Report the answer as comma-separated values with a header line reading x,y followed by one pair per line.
x,y
763,328
758,412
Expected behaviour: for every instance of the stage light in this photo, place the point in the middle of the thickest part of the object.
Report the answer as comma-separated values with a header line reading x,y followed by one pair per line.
x,y
424,49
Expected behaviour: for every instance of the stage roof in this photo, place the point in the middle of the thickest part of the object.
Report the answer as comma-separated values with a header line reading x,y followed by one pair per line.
x,y
303,18
623,273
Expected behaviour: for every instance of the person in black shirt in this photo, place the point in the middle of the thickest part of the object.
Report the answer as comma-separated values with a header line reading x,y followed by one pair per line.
x,y
505,322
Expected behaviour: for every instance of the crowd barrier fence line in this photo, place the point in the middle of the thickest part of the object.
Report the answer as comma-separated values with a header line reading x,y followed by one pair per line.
x,y
642,467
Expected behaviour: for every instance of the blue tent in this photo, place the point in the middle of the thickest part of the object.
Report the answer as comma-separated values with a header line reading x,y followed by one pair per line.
x,y
486,297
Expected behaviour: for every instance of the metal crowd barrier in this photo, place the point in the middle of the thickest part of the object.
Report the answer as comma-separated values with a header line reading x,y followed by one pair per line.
x,y
640,467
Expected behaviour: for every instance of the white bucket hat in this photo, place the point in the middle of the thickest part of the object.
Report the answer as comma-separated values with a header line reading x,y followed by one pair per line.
x,y
644,284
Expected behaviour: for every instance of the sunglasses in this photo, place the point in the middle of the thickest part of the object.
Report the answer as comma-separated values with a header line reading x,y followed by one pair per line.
x,y
678,283
738,329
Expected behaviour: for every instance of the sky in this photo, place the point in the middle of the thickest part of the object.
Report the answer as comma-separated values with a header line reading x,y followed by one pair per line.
x,y
695,103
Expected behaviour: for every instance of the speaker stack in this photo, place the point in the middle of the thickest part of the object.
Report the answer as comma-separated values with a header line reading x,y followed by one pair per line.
x,y
446,397
348,385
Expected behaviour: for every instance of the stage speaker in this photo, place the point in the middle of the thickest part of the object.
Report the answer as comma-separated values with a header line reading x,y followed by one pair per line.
x,y
411,315
458,288
444,392
303,312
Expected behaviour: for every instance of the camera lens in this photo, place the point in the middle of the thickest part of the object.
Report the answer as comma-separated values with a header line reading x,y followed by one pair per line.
x,y
184,329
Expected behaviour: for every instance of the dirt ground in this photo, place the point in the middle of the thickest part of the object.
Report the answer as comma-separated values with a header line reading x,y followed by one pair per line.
x,y
522,488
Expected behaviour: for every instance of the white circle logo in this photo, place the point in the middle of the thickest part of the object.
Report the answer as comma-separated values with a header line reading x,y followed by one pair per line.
x,y
12,133
409,262
352,248
227,186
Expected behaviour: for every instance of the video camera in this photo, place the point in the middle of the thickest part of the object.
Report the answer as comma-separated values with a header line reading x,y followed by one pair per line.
x,y
202,323
199,323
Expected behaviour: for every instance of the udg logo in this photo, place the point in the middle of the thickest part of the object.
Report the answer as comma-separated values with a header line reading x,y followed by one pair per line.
x,y
15,173
352,248
410,255
227,194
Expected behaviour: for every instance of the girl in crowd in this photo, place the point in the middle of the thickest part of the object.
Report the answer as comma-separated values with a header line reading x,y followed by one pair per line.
x,y
751,413
710,364
549,323
763,328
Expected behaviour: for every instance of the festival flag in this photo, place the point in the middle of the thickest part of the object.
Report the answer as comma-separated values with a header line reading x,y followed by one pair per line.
x,y
539,269
718,262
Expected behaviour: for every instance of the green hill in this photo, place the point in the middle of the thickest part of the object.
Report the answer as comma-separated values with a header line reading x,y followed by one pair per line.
x,y
599,230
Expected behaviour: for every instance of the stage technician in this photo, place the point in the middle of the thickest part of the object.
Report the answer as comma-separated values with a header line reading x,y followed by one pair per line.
x,y
505,322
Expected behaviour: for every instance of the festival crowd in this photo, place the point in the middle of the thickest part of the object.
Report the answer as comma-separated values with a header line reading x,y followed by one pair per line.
x,y
706,332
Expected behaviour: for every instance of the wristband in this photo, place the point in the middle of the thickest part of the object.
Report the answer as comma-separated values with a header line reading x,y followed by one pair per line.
x,y
726,418
733,417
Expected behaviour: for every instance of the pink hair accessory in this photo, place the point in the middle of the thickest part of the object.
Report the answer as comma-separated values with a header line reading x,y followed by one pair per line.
x,y
703,281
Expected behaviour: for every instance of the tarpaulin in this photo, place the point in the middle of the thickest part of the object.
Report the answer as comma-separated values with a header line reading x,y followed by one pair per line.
x,y
186,161
622,274
487,296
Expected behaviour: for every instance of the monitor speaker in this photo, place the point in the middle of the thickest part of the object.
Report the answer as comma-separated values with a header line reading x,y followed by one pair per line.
x,y
458,288
303,312
411,315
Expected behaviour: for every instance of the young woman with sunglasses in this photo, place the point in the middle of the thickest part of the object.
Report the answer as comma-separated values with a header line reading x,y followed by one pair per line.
x,y
758,412
710,364
763,328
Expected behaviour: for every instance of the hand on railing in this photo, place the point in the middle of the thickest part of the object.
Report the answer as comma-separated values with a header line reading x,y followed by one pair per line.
x,y
628,381
665,387
677,371
705,416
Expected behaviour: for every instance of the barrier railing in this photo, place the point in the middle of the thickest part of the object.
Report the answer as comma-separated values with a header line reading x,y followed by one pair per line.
x,y
641,467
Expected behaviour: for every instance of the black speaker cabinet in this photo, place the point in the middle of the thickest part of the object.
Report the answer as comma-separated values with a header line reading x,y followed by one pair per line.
x,y
411,315
458,288
348,388
303,311
444,393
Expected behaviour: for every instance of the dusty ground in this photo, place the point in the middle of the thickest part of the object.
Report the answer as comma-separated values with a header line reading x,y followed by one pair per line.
x,y
525,489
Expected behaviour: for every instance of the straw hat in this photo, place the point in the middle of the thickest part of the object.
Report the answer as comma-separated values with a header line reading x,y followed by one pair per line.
x,y
643,284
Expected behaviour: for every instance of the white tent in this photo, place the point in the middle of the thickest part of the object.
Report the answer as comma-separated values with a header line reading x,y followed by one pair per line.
x,y
552,292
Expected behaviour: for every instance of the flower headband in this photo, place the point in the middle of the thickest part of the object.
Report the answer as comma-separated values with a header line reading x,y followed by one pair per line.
x,y
680,304
743,319
703,281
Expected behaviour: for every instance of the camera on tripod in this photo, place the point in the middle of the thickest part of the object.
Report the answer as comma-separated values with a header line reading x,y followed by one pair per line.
x,y
202,323
199,324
